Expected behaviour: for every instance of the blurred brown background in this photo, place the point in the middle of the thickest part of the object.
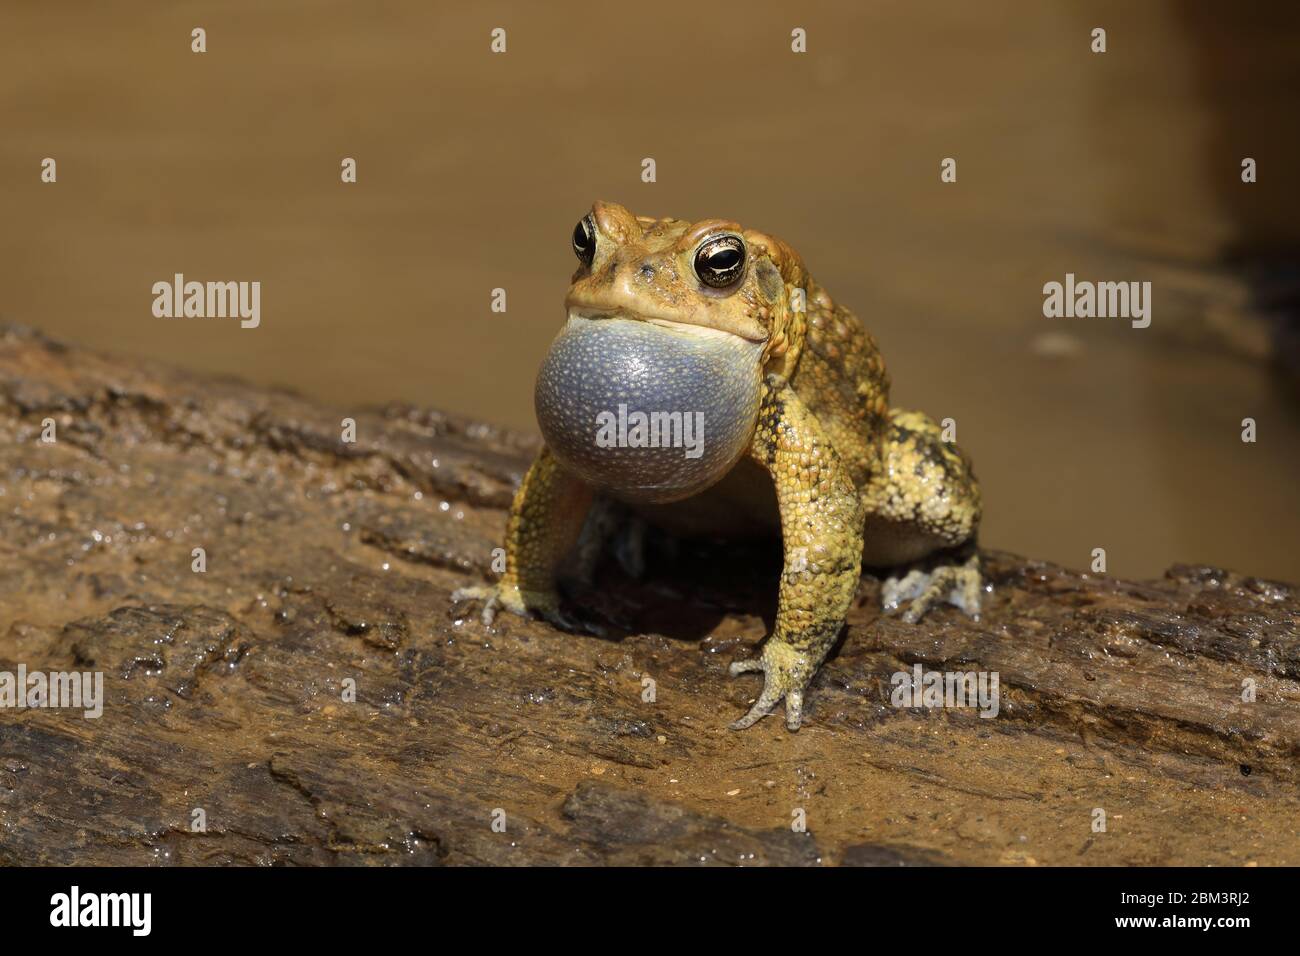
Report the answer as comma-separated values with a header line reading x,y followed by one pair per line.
x,y
473,168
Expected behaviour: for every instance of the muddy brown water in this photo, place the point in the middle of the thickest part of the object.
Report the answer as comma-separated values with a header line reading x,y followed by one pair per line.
x,y
473,167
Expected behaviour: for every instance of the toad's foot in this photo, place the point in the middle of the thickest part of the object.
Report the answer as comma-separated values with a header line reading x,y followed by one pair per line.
x,y
786,673
957,584
509,597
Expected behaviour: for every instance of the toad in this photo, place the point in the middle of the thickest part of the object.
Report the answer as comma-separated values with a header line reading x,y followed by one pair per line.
x,y
700,369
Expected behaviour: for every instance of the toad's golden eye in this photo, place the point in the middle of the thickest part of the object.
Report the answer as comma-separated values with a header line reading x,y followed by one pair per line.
x,y
720,261
584,240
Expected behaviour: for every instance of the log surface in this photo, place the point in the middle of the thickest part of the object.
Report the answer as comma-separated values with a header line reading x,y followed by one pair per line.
x,y
329,563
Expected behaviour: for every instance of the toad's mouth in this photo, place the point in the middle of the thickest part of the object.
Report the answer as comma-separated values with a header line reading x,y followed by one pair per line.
x,y
673,324
648,409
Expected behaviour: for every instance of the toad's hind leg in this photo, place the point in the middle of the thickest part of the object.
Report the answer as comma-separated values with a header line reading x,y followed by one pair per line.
x,y
923,511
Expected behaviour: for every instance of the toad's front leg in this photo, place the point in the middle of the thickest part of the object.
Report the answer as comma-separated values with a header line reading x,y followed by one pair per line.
x,y
545,519
821,530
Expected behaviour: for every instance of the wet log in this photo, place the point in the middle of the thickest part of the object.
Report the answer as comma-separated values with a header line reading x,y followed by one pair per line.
x,y
310,697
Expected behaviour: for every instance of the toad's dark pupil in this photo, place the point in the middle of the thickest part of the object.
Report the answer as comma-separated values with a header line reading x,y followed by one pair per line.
x,y
584,245
723,259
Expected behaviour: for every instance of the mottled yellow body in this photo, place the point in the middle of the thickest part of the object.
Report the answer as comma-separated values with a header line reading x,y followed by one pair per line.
x,y
855,482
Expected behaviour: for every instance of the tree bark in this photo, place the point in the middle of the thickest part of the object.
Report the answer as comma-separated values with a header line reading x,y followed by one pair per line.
x,y
1167,710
